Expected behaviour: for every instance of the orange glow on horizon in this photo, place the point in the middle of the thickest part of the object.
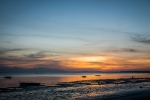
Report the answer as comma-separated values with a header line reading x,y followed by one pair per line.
x,y
89,59
99,63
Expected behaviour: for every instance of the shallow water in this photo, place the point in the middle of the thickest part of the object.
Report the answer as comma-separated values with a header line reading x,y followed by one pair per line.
x,y
53,78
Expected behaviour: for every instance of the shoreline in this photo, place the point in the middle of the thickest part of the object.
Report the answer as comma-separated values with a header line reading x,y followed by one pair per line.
x,y
104,89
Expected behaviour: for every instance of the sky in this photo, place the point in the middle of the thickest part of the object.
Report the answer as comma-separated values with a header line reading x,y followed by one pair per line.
x,y
93,35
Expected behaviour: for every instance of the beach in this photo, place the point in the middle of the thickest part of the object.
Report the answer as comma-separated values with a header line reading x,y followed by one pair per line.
x,y
103,89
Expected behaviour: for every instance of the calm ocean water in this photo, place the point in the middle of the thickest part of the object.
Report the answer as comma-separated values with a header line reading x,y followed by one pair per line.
x,y
53,78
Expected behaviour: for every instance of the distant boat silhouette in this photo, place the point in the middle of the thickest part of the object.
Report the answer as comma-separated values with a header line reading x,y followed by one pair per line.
x,y
97,75
7,77
83,76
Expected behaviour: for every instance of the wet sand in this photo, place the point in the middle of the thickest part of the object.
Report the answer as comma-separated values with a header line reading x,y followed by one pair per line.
x,y
143,95
106,89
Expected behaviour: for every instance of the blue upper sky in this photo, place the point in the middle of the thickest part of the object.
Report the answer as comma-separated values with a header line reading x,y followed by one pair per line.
x,y
73,28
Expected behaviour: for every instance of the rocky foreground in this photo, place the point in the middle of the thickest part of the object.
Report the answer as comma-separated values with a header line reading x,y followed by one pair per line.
x,y
107,89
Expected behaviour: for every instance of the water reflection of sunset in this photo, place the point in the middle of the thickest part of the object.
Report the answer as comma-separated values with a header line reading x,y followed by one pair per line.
x,y
50,80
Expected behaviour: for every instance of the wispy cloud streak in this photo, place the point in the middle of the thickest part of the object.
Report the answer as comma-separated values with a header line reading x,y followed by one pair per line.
x,y
129,50
10,50
36,55
141,39
47,36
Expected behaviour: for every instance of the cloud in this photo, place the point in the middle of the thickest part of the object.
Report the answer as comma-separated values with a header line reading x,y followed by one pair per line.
x,y
141,39
47,36
41,54
19,60
120,66
40,69
10,50
51,64
30,61
130,50
36,55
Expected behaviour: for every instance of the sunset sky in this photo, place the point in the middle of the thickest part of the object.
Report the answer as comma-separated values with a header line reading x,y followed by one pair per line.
x,y
94,35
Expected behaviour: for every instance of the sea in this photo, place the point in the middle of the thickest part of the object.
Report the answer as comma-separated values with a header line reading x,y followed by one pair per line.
x,y
54,78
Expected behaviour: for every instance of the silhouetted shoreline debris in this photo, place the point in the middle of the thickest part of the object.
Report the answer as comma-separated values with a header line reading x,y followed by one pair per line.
x,y
29,84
